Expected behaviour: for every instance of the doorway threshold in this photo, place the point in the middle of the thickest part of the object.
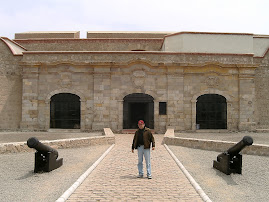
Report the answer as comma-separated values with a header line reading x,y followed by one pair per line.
x,y
56,130
212,131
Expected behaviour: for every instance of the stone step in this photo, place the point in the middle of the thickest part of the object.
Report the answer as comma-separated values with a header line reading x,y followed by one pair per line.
x,y
212,131
132,131
64,130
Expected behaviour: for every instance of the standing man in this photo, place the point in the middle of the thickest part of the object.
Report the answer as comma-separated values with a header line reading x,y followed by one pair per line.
x,y
142,141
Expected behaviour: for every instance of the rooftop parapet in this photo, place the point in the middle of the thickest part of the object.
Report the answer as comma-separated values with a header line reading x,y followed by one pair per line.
x,y
127,34
14,47
48,35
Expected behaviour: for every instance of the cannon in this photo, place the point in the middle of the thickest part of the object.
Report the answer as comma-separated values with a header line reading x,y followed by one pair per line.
x,y
230,161
45,156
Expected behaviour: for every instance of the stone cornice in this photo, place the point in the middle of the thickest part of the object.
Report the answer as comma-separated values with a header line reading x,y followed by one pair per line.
x,y
135,52
27,41
124,59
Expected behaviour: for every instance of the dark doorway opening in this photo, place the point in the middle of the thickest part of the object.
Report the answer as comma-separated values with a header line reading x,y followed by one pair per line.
x,y
138,106
65,111
211,112
137,112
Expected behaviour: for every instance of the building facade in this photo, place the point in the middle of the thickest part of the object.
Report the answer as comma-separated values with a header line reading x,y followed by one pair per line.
x,y
188,81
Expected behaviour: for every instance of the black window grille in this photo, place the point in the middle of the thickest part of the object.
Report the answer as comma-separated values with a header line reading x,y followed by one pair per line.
x,y
211,112
65,111
162,108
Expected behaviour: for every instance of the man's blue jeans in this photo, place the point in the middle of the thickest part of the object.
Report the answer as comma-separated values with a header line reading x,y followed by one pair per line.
x,y
146,153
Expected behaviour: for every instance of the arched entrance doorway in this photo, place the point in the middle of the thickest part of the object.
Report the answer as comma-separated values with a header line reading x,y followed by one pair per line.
x,y
211,112
138,106
65,111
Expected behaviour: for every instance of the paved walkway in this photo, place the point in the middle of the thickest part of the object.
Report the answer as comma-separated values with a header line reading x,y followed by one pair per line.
x,y
114,179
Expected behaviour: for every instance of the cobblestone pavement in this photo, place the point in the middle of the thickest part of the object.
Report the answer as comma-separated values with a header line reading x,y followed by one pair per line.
x,y
114,179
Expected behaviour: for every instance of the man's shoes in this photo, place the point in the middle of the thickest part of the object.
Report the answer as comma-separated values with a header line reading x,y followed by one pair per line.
x,y
149,177
140,176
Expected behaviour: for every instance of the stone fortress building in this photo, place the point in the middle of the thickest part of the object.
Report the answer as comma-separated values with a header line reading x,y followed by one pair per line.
x,y
187,81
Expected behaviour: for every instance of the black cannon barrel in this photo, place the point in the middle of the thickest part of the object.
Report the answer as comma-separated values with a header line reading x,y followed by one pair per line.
x,y
246,141
33,142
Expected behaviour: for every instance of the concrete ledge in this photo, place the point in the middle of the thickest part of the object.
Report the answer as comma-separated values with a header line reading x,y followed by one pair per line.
x,y
262,130
212,145
48,35
170,133
108,132
16,147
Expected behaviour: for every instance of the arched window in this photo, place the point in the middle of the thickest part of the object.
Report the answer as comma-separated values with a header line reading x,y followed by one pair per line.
x,y
211,112
65,111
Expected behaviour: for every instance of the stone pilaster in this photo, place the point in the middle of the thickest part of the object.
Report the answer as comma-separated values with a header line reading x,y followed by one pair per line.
x,y
120,113
160,121
246,101
175,99
30,98
101,103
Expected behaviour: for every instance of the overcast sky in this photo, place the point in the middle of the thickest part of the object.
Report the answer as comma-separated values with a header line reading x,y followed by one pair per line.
x,y
240,16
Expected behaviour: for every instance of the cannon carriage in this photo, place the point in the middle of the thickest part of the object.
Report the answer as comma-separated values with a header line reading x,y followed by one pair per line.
x,y
45,156
230,161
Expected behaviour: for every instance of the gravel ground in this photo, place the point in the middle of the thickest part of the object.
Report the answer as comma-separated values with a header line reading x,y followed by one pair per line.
x,y
251,186
258,138
20,183
6,137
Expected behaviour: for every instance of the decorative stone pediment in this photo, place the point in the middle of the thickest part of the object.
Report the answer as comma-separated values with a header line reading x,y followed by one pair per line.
x,y
138,78
66,79
212,81
139,73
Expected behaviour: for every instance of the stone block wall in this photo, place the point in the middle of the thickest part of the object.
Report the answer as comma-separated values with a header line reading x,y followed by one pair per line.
x,y
103,80
137,78
175,86
41,83
10,89
161,96
247,120
91,44
101,89
210,79
262,96
101,99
